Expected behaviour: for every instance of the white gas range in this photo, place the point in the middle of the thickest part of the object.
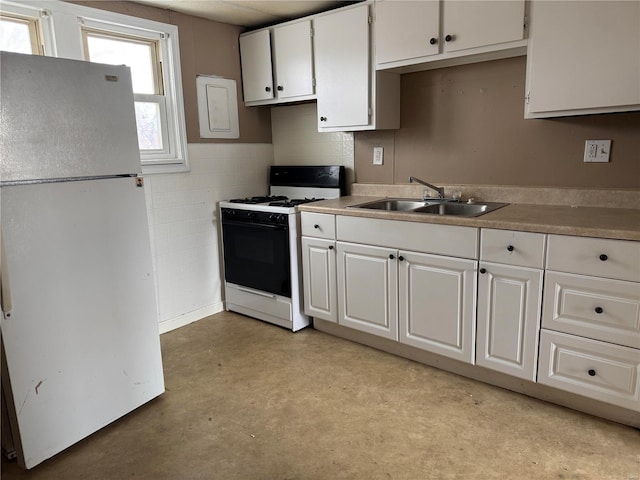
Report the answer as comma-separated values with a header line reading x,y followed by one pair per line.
x,y
261,244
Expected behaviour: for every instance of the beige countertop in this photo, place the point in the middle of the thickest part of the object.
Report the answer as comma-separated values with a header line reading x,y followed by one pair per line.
x,y
616,223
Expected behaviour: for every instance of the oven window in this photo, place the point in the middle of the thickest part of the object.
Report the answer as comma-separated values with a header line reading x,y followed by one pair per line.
x,y
257,256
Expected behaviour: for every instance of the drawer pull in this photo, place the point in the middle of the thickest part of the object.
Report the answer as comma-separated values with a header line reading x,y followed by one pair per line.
x,y
483,270
391,257
510,248
603,257
599,310
591,372
330,247
316,226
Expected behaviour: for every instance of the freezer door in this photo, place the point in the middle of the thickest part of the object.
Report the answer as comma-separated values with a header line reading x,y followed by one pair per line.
x,y
82,343
65,118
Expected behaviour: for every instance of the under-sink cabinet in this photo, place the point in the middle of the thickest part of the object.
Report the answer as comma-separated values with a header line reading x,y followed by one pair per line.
x,y
509,301
590,341
468,28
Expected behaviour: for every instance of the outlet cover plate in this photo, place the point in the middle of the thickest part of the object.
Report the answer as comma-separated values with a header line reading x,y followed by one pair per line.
x,y
596,151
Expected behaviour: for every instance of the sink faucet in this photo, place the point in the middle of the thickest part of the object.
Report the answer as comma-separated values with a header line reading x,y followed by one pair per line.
x,y
440,190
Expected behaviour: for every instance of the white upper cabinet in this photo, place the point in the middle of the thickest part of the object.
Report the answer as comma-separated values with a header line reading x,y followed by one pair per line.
x,y
255,57
583,58
351,96
277,64
408,32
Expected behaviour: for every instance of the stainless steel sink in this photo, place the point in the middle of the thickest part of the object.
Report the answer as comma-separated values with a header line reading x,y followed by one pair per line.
x,y
460,209
394,204
431,206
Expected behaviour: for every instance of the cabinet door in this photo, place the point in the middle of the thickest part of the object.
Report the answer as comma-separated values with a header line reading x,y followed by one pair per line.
x,y
437,304
341,42
473,24
319,278
255,57
367,286
583,55
405,30
293,60
509,300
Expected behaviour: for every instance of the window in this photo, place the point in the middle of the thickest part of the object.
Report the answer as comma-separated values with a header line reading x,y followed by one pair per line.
x,y
149,48
19,34
142,56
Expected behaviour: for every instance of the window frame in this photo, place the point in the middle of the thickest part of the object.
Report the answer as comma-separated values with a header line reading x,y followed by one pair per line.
x,y
33,24
61,25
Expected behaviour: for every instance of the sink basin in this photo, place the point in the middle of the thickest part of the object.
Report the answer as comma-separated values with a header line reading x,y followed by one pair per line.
x,y
431,206
394,204
460,209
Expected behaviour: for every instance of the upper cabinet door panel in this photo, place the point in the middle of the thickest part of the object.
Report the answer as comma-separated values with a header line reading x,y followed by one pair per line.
x,y
255,57
583,55
341,41
405,30
293,60
476,24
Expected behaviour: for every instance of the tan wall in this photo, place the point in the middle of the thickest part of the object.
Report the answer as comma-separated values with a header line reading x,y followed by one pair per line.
x,y
208,48
465,125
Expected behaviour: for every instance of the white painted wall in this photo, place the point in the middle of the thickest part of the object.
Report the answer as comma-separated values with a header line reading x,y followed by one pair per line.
x,y
183,222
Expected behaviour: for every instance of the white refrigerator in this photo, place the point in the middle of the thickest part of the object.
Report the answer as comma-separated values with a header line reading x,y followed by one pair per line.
x,y
80,339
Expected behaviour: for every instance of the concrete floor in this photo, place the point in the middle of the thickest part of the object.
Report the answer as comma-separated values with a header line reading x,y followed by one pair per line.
x,y
248,400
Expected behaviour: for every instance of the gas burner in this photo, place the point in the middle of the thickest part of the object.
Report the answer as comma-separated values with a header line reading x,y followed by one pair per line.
x,y
293,202
256,200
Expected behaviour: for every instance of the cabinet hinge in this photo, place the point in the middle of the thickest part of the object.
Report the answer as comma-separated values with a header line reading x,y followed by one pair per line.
x,y
370,20
526,22
311,32
526,98
370,111
313,82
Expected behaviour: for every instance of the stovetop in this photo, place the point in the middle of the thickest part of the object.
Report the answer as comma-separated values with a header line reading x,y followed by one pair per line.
x,y
271,203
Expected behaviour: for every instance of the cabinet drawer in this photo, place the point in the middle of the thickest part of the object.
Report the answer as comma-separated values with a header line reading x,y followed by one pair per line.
x,y
598,257
512,248
447,240
598,370
319,225
597,308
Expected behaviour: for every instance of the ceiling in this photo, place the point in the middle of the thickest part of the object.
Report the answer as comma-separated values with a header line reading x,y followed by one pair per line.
x,y
247,13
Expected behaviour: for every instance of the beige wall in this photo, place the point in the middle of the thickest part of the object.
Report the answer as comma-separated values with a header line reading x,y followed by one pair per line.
x,y
465,125
208,48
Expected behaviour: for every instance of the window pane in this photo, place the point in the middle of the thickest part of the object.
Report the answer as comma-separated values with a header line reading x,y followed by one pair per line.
x,y
137,56
149,128
15,36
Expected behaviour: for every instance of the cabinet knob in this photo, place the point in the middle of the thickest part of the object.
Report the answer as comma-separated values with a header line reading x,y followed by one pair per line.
x,y
401,258
391,257
449,38
267,89
330,247
483,271
280,88
591,372
603,257
316,226
599,310
433,40
511,248
323,119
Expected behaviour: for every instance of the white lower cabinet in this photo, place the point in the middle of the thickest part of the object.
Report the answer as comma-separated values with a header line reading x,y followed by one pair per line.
x,y
599,370
509,319
368,286
437,304
319,278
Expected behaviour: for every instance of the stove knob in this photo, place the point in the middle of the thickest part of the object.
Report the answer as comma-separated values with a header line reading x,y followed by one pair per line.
x,y
273,217
282,219
251,215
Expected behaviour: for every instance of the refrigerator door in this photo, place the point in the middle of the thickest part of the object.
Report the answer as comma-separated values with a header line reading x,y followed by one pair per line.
x,y
82,344
64,118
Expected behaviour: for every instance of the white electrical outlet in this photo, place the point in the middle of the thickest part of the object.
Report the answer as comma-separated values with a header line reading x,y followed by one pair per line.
x,y
378,155
597,150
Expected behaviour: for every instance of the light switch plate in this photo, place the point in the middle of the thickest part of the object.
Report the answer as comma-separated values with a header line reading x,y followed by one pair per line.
x,y
597,151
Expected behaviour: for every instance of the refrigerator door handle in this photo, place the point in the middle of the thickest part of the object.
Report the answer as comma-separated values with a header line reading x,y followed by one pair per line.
x,y
5,289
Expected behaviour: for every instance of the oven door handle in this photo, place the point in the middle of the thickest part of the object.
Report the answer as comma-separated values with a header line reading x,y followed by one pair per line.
x,y
250,224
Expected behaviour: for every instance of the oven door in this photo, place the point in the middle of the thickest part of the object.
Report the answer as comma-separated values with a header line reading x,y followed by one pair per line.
x,y
257,256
